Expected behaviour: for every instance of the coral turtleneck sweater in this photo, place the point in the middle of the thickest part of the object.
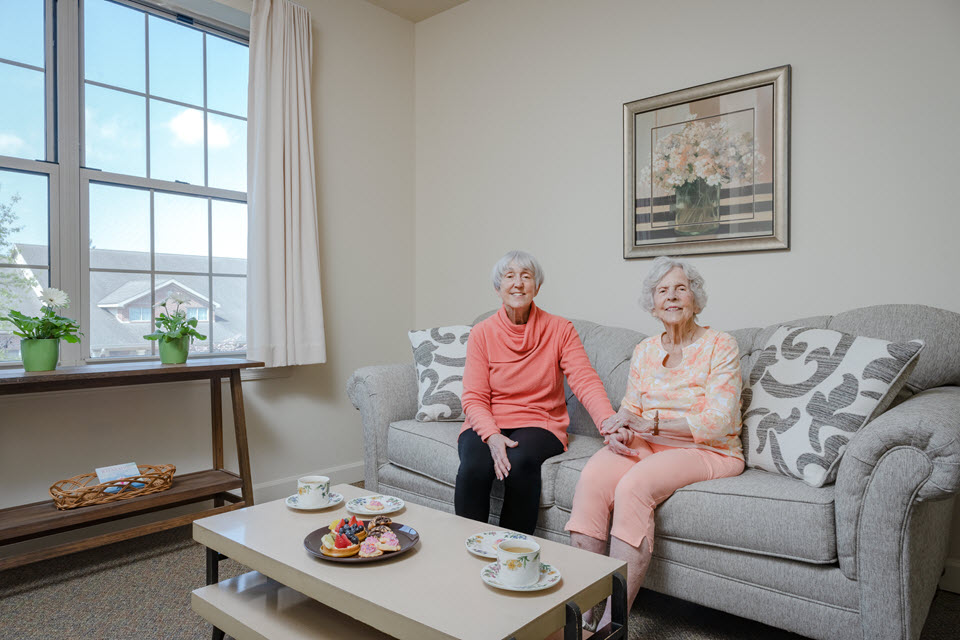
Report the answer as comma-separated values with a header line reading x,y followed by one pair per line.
x,y
514,375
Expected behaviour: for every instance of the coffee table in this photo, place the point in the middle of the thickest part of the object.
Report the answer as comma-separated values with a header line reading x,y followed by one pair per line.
x,y
432,591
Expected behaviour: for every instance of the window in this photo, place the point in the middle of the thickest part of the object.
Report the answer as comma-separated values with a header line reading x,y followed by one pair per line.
x,y
149,157
28,175
139,314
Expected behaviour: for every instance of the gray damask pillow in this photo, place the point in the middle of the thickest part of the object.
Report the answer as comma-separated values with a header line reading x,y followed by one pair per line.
x,y
810,391
440,355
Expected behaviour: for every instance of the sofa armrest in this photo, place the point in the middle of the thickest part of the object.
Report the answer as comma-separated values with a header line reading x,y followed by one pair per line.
x,y
908,455
383,394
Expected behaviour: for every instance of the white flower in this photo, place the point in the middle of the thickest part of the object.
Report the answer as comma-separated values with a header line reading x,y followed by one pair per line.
x,y
54,298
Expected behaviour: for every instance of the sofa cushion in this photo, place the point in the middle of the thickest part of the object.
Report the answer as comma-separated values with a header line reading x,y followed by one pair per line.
x,y
430,449
441,356
810,391
756,512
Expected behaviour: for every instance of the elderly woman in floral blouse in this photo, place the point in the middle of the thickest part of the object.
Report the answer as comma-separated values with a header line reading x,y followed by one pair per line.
x,y
679,423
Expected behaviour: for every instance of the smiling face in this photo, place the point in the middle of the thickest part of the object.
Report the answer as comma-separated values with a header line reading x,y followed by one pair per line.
x,y
518,288
673,301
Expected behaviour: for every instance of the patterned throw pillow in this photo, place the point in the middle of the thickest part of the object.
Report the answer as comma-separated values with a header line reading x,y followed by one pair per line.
x,y
810,391
441,355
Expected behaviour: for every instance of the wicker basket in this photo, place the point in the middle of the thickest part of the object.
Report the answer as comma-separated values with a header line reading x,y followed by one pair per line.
x,y
81,491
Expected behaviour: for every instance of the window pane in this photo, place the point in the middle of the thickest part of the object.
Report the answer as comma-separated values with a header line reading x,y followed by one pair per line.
x,y
115,131
230,314
22,112
24,218
19,291
180,232
227,152
21,31
119,227
111,332
176,61
229,237
114,49
176,143
194,292
227,69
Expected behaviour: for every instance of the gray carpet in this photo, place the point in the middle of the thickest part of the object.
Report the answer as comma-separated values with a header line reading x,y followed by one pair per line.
x,y
141,589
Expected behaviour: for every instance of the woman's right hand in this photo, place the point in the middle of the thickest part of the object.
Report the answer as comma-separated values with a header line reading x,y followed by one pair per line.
x,y
621,419
498,444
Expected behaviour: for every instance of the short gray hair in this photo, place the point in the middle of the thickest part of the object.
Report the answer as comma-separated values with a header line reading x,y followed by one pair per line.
x,y
661,267
523,260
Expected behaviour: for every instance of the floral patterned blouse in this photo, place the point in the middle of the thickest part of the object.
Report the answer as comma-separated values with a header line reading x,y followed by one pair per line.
x,y
704,388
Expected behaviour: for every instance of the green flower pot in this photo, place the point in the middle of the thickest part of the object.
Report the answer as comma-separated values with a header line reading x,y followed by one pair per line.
x,y
40,355
174,351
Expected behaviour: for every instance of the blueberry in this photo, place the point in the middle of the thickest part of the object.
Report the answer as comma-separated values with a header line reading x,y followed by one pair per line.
x,y
352,538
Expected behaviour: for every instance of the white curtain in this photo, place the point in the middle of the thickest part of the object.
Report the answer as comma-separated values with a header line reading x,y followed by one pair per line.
x,y
284,311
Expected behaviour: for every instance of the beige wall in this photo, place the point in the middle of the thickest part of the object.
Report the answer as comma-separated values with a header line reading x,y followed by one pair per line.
x,y
363,110
519,146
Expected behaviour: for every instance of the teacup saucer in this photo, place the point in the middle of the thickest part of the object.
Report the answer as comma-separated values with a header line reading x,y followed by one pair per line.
x,y
293,502
485,544
549,576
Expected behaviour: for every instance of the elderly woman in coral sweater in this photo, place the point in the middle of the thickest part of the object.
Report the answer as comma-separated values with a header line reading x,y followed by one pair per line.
x,y
513,397
679,423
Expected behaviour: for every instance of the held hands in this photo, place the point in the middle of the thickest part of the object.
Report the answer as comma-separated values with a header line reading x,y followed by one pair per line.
x,y
626,419
618,440
498,444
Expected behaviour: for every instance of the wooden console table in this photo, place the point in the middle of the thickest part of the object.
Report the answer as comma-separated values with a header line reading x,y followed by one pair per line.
x,y
38,519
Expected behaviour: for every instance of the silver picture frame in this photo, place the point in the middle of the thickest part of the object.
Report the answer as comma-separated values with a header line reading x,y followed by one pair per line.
x,y
707,169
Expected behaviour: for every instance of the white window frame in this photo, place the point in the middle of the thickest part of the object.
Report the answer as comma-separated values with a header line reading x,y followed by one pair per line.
x,y
47,166
69,181
92,175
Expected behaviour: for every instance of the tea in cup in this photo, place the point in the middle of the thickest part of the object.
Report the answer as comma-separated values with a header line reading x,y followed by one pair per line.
x,y
519,562
313,491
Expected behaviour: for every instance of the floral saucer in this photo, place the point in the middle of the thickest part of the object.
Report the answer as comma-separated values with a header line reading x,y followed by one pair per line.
x,y
294,502
549,576
485,544
375,505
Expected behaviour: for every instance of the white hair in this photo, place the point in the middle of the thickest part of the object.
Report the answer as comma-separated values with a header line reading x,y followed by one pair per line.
x,y
523,260
661,267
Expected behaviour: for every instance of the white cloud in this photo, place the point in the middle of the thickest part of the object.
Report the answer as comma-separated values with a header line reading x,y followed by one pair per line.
x,y
10,144
187,128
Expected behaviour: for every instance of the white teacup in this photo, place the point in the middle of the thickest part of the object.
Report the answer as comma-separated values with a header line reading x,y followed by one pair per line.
x,y
519,562
313,491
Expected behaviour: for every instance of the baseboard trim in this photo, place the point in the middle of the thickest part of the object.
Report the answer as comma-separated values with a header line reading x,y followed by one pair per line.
x,y
283,487
950,581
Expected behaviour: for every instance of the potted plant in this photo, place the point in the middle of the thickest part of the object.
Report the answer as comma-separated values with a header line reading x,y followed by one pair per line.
x,y
174,333
40,336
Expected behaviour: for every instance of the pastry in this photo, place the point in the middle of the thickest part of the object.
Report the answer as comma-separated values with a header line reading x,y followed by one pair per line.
x,y
352,528
388,542
338,546
378,530
370,549
377,521
374,505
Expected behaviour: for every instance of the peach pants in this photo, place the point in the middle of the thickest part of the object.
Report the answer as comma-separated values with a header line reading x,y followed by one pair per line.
x,y
632,486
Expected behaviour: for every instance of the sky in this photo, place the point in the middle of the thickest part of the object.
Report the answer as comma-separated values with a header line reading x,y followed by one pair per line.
x,y
116,127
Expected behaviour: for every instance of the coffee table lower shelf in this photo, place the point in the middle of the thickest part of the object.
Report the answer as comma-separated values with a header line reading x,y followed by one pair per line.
x,y
254,606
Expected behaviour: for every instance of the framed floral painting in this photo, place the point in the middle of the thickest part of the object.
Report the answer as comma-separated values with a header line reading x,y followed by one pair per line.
x,y
706,169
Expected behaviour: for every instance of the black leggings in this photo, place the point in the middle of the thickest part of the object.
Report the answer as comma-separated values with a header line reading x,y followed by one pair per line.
x,y
521,499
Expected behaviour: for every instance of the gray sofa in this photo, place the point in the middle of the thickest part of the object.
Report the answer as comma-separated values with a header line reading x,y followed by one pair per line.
x,y
857,559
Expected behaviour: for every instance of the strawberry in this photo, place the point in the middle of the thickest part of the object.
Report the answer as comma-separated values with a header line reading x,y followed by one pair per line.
x,y
342,542
353,520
